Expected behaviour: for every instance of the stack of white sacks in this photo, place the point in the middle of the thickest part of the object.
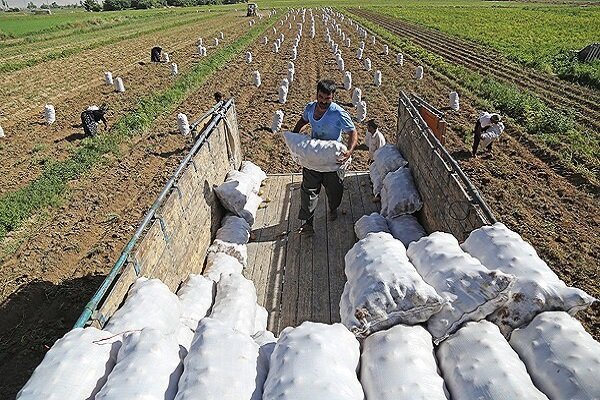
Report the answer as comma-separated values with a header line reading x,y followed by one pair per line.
x,y
417,302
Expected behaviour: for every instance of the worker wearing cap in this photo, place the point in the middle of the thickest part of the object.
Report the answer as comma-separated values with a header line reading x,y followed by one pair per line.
x,y
484,123
328,121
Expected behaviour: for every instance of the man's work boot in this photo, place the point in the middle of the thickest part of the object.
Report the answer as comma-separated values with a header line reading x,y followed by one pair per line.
x,y
307,228
333,214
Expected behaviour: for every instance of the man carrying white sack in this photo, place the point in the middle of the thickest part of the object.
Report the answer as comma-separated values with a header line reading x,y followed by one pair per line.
x,y
328,121
488,127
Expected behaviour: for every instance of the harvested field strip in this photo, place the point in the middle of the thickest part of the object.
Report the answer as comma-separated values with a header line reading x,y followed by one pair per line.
x,y
69,51
48,189
125,27
555,138
559,94
56,141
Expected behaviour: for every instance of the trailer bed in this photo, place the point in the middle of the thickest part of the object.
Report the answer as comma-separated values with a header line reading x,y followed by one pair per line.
x,y
300,277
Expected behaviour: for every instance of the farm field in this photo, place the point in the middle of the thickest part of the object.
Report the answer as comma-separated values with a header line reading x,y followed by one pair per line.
x,y
54,261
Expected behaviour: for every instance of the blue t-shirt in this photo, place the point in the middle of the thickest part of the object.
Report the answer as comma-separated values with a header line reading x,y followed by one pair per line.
x,y
331,125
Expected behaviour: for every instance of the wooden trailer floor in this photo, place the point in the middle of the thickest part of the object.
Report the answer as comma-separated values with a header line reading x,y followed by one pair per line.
x,y
300,277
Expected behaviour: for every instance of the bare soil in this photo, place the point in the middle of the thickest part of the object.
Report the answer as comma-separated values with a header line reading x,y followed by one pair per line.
x,y
64,257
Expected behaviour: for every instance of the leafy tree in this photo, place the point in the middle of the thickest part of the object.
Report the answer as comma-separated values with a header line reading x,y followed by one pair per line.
x,y
91,5
44,6
31,6
113,5
54,5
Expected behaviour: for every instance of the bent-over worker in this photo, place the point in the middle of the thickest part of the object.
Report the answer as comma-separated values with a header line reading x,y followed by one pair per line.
x,y
486,122
91,117
328,121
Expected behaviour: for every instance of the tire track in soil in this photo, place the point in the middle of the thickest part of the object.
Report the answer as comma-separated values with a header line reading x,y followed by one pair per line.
x,y
525,193
558,94
21,147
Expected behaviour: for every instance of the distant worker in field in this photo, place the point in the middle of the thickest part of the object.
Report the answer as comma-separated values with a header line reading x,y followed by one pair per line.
x,y
487,128
218,96
91,117
374,139
155,54
328,121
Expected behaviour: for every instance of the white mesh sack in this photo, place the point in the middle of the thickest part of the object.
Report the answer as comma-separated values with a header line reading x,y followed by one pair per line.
x,y
196,297
237,195
317,155
406,228
238,251
478,363
266,340
473,291
371,223
234,230
386,159
491,134
235,303
221,263
221,364
253,170
75,368
149,304
561,357
384,289
148,367
399,364
537,287
261,319
314,361
399,195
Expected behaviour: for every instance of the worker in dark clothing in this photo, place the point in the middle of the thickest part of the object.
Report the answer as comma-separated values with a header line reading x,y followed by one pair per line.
x,y
486,122
218,96
155,54
91,117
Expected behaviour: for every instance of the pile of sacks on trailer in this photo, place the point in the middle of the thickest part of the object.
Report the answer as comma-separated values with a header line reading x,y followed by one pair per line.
x,y
424,317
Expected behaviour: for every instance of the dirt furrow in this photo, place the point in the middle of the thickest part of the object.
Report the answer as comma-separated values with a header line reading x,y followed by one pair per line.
x,y
586,109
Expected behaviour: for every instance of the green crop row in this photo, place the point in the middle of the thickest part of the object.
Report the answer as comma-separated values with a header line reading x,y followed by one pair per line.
x,y
56,55
49,189
552,130
541,36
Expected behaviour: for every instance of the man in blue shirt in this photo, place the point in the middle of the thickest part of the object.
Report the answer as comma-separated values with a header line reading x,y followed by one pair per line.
x,y
328,121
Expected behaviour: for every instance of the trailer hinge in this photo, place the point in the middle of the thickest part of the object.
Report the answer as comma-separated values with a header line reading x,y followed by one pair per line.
x,y
163,227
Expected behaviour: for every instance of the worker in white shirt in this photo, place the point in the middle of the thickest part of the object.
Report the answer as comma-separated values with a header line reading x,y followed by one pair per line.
x,y
486,122
374,139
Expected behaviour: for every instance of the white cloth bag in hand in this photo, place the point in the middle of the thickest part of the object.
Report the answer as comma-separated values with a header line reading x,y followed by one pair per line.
x,y
235,303
473,291
237,195
399,364
149,304
148,367
537,287
314,361
478,363
385,160
383,287
315,154
371,223
75,368
561,357
221,364
196,297
221,263
399,195
406,228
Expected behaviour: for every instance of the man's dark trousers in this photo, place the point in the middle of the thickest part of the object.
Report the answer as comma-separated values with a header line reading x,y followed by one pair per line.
x,y
311,186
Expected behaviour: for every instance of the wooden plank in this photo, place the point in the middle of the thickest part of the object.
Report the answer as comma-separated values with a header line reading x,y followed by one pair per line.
x,y
259,223
267,236
340,232
320,305
289,302
306,266
366,193
276,271
356,203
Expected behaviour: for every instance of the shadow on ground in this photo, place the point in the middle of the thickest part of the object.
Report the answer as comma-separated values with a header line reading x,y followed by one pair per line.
x,y
32,319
